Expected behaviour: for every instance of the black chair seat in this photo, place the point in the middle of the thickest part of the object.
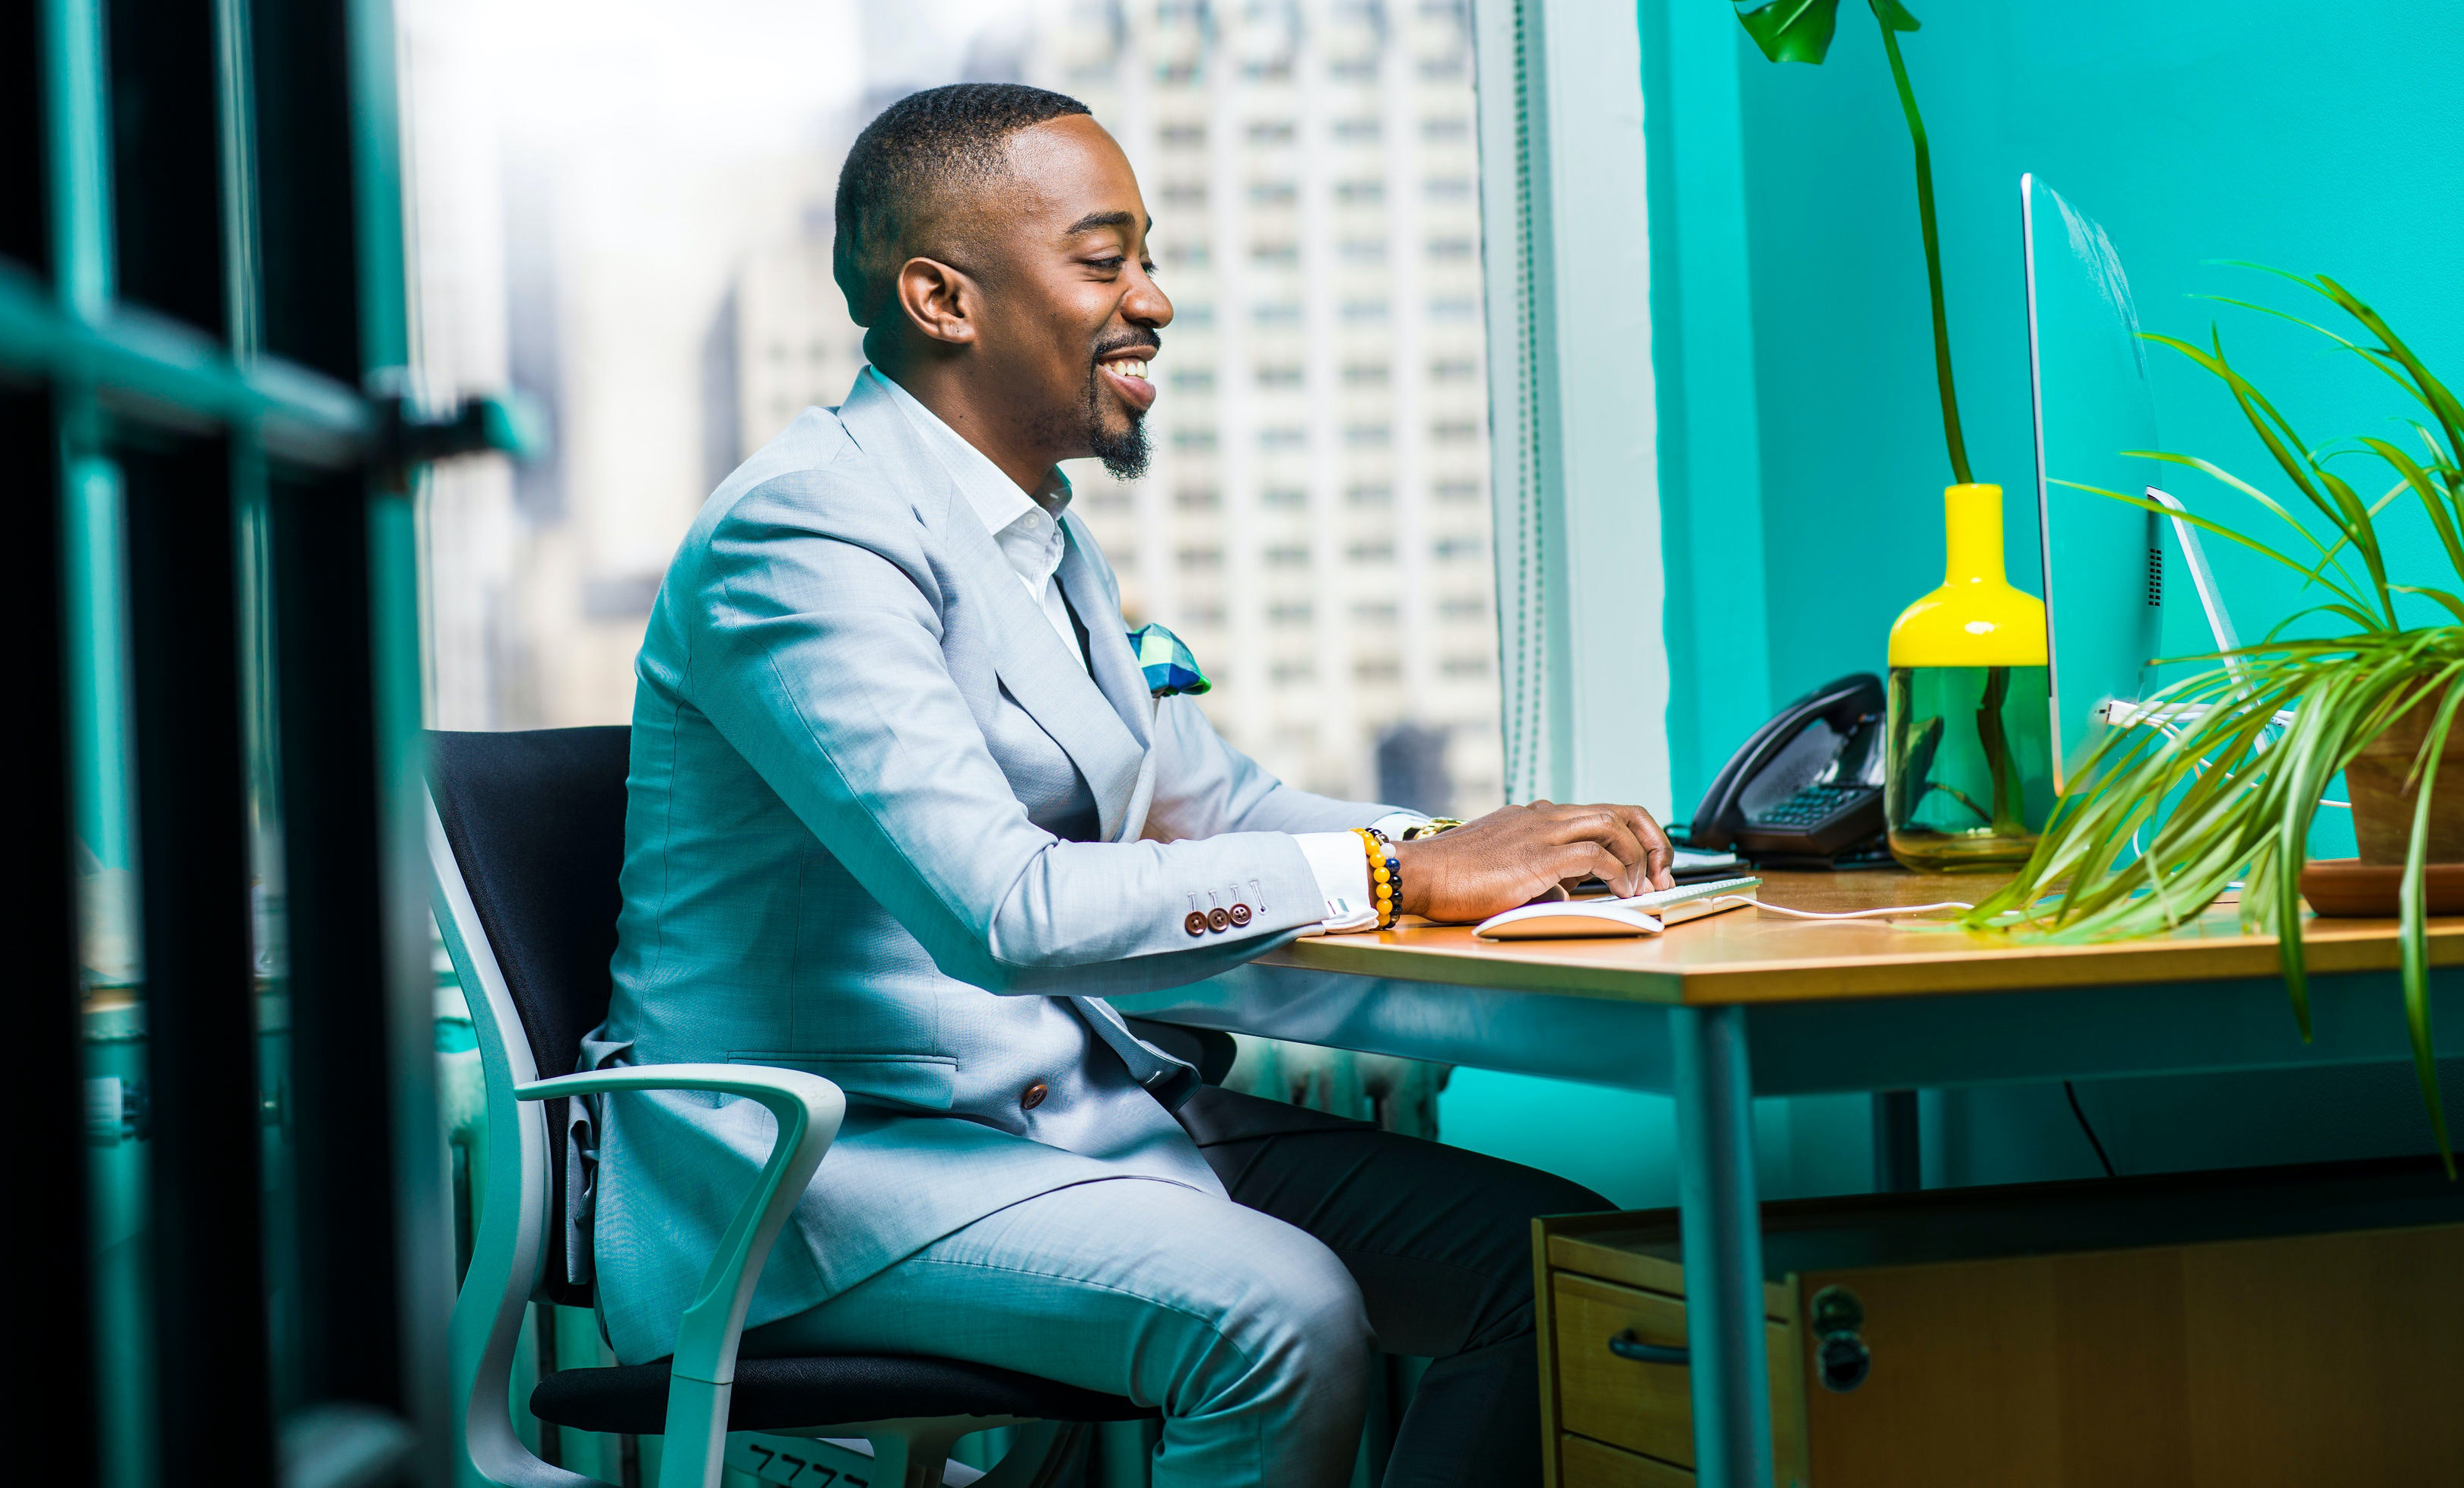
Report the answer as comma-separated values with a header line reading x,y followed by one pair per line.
x,y
822,1390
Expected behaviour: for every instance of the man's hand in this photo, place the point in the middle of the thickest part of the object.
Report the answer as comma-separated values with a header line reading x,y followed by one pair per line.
x,y
1514,855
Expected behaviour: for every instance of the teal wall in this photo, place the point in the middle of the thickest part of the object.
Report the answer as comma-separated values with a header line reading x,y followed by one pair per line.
x,y
1801,449
2313,140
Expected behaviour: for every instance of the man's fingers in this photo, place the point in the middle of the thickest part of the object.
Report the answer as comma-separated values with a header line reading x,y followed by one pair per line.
x,y
1574,861
1658,857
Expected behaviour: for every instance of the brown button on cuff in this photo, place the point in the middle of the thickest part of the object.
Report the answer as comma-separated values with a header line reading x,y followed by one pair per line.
x,y
1196,923
1239,915
1033,1096
1219,919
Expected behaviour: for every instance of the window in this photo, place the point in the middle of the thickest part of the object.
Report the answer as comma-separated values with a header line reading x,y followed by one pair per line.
x,y
1200,560
1193,380
1303,173
1289,614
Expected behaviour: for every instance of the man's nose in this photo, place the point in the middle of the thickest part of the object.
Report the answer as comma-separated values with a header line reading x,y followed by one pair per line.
x,y
1146,303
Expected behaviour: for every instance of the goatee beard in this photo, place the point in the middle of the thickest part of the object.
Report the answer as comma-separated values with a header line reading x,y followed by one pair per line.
x,y
1125,452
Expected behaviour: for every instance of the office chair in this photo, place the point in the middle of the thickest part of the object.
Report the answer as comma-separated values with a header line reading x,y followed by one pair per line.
x,y
526,836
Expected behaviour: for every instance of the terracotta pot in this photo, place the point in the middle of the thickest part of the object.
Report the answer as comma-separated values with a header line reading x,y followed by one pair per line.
x,y
2383,805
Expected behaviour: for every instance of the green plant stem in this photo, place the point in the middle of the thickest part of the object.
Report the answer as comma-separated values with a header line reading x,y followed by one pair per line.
x,y
2006,818
1951,431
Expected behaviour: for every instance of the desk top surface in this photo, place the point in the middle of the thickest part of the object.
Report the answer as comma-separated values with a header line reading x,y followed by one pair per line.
x,y
1746,956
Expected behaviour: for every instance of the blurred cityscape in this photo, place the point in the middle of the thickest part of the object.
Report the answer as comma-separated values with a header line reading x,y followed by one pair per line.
x,y
624,211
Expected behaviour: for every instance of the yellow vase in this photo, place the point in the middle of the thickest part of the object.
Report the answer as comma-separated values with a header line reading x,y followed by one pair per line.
x,y
1970,767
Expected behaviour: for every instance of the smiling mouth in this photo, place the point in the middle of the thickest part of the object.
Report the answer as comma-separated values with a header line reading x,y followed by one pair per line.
x,y
1128,378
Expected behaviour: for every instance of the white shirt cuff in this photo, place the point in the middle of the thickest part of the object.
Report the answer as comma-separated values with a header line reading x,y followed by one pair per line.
x,y
1341,867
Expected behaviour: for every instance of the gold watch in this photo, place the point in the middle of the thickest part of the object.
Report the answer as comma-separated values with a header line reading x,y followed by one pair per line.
x,y
1431,828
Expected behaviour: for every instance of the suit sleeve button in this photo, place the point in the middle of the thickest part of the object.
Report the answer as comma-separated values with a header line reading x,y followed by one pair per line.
x,y
1196,923
1239,915
1219,919
1033,1096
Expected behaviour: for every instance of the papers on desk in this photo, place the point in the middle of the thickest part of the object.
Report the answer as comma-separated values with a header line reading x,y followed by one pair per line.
x,y
1693,862
1642,914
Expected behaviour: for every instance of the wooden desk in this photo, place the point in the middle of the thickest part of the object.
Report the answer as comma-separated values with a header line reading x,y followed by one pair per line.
x,y
1720,1010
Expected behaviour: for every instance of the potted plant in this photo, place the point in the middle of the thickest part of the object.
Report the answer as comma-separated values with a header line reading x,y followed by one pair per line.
x,y
2160,820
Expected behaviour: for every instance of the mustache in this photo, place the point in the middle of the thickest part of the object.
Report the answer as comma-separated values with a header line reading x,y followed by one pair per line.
x,y
1146,337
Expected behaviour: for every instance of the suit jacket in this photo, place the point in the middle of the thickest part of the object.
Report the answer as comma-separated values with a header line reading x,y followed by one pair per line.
x,y
884,826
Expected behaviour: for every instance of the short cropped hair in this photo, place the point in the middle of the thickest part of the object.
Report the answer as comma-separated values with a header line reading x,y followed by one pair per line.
x,y
907,161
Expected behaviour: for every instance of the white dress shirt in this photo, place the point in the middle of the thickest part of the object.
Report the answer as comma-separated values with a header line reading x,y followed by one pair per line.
x,y
1027,528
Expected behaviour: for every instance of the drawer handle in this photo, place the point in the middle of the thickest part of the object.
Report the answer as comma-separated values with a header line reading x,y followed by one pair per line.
x,y
1625,1345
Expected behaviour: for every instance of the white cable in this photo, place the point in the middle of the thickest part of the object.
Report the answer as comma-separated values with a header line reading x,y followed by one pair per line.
x,y
1845,914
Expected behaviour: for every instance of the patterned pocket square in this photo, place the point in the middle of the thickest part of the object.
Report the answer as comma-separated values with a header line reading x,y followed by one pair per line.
x,y
1169,667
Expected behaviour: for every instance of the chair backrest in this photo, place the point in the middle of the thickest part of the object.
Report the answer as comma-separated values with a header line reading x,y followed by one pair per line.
x,y
536,821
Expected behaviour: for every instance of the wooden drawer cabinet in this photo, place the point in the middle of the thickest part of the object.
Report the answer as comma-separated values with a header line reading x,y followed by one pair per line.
x,y
2299,1327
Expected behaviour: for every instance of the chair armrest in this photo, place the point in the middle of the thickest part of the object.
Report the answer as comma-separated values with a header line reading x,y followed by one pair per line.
x,y
809,1109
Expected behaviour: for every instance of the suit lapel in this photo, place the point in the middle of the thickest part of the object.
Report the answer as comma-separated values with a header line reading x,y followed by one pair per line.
x,y
1116,668
1035,664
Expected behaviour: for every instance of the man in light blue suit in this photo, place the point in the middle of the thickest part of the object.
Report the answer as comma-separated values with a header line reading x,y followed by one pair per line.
x,y
904,806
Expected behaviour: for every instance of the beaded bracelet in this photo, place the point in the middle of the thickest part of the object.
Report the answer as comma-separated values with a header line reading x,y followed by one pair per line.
x,y
1385,874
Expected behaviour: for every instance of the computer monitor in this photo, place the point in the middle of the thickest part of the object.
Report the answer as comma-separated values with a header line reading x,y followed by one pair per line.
x,y
2103,559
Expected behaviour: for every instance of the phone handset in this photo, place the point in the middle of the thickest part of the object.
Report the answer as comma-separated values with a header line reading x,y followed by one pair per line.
x,y
1786,794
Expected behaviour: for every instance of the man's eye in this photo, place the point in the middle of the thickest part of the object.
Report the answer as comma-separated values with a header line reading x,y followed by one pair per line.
x,y
1114,262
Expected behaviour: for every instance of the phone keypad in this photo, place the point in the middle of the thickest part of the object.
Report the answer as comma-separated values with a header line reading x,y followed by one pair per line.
x,y
1810,805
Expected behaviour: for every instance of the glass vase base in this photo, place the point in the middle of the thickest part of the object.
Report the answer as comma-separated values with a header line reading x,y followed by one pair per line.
x,y
1982,850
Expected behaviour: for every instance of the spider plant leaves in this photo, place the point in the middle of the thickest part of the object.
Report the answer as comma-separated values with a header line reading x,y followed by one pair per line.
x,y
2312,573
2416,921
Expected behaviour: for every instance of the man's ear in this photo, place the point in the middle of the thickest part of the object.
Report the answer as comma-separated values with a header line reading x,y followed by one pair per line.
x,y
939,301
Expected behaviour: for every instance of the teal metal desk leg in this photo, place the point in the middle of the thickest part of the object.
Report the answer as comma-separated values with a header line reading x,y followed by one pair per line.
x,y
1724,1248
